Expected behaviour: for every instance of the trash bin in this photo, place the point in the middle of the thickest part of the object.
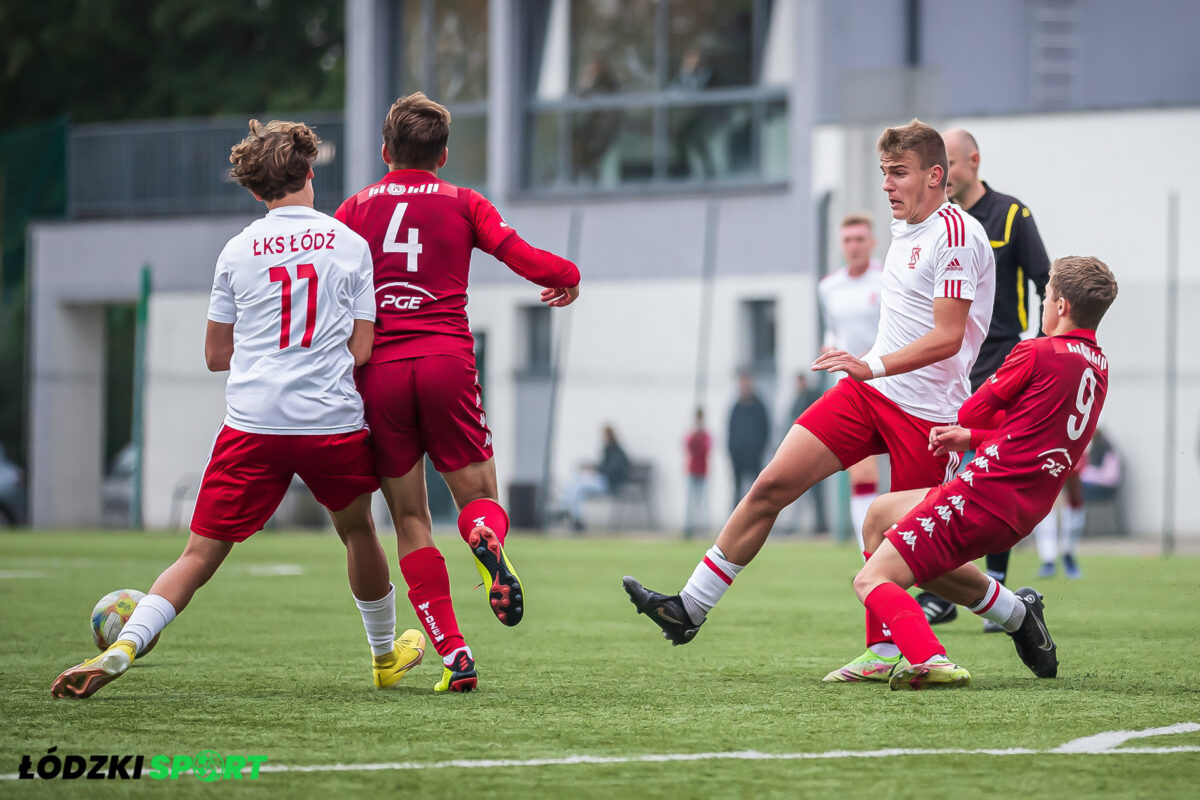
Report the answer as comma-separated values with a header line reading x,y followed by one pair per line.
x,y
523,505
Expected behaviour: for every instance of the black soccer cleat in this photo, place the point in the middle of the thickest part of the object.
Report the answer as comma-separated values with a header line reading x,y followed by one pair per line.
x,y
937,609
1034,645
667,612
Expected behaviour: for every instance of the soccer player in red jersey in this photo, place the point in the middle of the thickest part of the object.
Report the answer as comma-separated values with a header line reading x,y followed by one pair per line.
x,y
420,387
935,306
1029,425
291,313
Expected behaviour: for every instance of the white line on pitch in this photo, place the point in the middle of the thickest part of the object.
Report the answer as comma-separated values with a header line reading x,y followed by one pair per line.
x,y
1099,744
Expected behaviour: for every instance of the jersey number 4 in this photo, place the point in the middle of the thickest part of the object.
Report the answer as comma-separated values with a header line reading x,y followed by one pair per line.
x,y
281,275
392,243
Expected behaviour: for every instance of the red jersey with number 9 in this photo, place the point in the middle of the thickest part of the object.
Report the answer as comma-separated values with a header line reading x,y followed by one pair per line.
x,y
1047,397
421,231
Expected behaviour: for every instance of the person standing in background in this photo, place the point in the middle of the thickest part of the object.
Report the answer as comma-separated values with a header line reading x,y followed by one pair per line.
x,y
849,301
697,446
749,429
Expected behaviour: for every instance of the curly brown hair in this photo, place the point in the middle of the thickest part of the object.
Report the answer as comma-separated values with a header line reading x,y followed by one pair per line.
x,y
274,159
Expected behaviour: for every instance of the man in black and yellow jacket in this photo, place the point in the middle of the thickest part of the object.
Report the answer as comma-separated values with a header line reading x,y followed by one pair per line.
x,y
1021,260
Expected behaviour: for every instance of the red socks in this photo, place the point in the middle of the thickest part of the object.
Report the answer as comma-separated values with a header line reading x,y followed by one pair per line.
x,y
424,571
484,511
876,632
902,614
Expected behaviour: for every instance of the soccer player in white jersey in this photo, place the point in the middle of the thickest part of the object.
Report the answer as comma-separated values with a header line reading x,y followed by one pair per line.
x,y
849,301
938,284
292,312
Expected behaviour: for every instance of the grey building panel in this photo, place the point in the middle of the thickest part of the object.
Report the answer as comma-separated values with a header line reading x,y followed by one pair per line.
x,y
858,37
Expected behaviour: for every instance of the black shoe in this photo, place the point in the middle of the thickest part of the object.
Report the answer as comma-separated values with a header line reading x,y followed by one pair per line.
x,y
937,609
1034,645
667,612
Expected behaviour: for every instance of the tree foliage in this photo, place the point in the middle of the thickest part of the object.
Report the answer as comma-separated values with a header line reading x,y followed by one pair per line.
x,y
100,60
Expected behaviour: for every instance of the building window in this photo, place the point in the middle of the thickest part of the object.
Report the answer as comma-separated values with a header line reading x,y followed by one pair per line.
x,y
653,92
758,335
535,356
442,50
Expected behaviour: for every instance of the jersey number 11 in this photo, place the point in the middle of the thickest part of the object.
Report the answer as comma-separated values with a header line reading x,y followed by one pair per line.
x,y
281,275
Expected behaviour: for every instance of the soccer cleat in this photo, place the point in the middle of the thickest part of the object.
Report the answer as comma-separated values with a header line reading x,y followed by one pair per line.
x,y
1046,570
84,680
505,595
1034,645
939,674
992,627
388,669
937,609
866,668
667,612
1071,567
461,676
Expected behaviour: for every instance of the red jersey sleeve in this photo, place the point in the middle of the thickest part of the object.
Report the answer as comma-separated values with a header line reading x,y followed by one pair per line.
x,y
342,215
1014,374
494,236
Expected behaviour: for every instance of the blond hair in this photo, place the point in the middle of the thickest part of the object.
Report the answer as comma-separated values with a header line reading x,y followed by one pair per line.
x,y
274,159
1087,284
857,219
918,138
415,131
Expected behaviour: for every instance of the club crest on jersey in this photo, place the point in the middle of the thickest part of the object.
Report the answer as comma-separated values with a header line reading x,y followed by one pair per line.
x,y
915,257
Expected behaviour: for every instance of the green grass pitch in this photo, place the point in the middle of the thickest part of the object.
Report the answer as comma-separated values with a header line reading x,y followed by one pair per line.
x,y
271,659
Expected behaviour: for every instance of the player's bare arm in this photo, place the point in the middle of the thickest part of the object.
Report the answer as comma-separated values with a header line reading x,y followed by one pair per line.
x,y
949,326
218,346
362,339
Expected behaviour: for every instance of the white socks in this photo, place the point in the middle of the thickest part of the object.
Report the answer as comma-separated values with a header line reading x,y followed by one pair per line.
x,y
149,617
1045,535
712,576
1001,606
1073,520
885,649
379,618
859,503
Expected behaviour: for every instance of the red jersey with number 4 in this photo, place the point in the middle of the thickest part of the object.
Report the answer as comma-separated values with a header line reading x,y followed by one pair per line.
x,y
1040,409
421,231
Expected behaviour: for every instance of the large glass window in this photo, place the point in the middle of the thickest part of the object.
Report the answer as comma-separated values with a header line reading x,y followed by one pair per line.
x,y
653,92
442,50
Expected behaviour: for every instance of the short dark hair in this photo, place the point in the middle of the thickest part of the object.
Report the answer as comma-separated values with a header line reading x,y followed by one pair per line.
x,y
916,137
274,159
1087,284
415,131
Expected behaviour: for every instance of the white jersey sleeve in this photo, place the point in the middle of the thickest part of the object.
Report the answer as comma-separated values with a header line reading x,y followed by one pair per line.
x,y
298,279
221,304
946,255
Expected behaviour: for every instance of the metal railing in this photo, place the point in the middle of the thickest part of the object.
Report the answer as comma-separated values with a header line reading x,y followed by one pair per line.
x,y
179,167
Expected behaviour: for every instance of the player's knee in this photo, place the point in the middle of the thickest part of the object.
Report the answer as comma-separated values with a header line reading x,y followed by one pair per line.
x,y
771,491
864,582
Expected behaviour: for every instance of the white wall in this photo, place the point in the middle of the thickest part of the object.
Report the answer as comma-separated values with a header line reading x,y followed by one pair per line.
x,y
1097,184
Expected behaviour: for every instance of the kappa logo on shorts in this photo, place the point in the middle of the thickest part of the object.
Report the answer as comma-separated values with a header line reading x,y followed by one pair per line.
x,y
968,477
910,539
943,512
926,523
959,503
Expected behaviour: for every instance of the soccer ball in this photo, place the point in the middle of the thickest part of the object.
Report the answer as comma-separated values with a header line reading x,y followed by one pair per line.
x,y
111,614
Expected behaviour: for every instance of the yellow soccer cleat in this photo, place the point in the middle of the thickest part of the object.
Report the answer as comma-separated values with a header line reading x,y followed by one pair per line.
x,y
936,674
866,668
505,594
461,676
84,680
387,670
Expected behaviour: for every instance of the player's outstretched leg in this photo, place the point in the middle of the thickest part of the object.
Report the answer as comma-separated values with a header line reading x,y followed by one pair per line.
x,y
1034,645
84,680
667,612
407,652
483,524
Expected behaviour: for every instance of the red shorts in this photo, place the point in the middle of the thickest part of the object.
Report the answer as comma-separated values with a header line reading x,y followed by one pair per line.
x,y
249,473
855,421
947,530
431,405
